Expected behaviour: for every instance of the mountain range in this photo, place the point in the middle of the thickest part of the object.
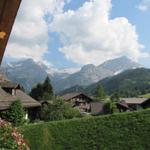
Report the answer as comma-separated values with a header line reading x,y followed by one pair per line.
x,y
130,83
28,73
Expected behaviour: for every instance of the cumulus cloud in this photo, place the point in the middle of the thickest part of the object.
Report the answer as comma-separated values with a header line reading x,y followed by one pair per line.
x,y
89,35
144,5
29,38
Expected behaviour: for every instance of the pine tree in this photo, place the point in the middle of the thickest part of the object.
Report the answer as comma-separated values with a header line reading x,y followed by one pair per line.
x,y
100,92
42,91
47,87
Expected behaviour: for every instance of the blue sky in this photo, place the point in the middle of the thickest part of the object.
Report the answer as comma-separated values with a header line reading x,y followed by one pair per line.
x,y
138,18
65,40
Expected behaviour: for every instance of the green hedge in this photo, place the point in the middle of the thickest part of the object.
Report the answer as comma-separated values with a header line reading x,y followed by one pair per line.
x,y
124,131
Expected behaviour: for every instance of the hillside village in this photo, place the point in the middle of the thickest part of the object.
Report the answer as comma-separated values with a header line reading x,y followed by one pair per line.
x,y
94,107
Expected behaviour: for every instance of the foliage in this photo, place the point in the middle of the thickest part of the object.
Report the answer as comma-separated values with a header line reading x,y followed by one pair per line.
x,y
115,97
47,87
107,107
100,92
10,138
130,83
58,110
37,92
122,131
147,95
42,91
110,107
15,115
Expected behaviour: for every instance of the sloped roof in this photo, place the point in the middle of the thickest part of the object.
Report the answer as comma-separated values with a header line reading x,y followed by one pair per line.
x,y
8,11
69,96
134,100
8,84
7,99
27,101
96,108
123,104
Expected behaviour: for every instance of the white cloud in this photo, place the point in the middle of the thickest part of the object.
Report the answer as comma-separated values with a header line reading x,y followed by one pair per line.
x,y
90,36
144,5
29,37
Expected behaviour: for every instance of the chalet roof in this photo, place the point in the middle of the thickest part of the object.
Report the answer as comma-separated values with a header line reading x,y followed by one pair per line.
x,y
7,99
27,101
8,84
96,108
134,100
123,104
69,96
8,11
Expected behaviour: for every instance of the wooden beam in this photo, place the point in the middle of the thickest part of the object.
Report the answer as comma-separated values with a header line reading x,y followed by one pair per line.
x,y
8,12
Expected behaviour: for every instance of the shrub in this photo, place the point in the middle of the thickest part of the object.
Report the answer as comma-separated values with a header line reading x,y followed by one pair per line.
x,y
58,110
122,131
10,138
108,107
15,114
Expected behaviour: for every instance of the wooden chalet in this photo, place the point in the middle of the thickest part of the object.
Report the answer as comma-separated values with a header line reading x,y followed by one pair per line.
x,y
84,103
130,104
78,100
10,92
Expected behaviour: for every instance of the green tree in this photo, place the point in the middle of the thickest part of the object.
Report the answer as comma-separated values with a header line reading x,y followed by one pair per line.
x,y
107,107
16,114
37,92
100,92
115,97
42,91
58,110
47,87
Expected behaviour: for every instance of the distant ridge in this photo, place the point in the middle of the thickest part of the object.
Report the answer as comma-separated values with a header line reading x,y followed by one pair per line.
x,y
28,73
130,83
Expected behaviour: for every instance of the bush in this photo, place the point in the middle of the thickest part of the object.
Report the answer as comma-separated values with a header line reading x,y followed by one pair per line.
x,y
108,107
15,115
10,138
58,110
122,131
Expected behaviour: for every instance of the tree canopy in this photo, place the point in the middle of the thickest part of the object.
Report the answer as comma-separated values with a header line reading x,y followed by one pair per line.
x,y
43,91
15,115
100,92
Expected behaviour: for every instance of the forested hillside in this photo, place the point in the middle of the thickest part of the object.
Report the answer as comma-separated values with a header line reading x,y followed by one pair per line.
x,y
129,84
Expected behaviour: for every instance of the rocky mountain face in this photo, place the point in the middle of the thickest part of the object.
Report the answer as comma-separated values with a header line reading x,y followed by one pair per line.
x,y
119,65
91,74
130,83
28,73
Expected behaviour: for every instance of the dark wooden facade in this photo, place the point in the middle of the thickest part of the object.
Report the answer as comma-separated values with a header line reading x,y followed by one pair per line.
x,y
131,104
79,101
8,12
10,92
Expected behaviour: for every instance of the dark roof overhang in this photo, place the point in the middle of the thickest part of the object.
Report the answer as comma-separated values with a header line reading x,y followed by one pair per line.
x,y
8,12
